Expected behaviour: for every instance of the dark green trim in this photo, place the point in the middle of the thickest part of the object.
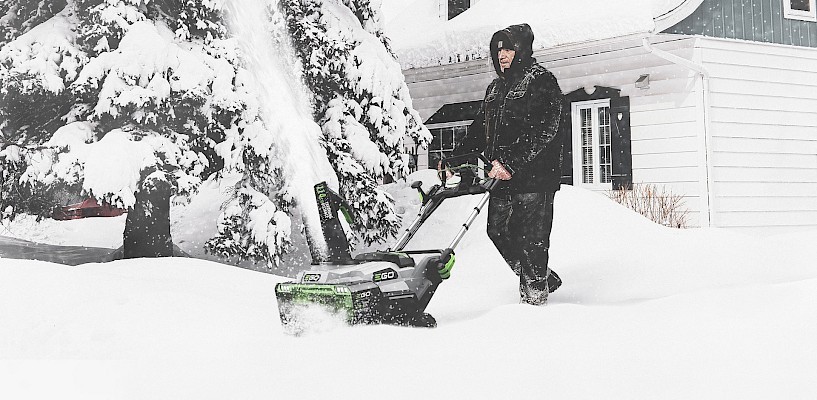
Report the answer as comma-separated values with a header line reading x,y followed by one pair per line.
x,y
755,20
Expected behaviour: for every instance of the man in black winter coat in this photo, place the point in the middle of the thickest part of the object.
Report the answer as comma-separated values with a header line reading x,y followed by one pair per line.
x,y
517,128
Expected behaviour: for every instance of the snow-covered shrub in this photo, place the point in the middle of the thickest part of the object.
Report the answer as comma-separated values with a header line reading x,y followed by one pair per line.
x,y
655,202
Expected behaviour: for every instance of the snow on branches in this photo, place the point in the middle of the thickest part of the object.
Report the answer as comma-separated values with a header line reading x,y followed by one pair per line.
x,y
361,102
19,16
134,95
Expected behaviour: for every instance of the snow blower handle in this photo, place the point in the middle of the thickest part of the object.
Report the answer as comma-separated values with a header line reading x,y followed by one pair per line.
x,y
432,199
460,162
448,161
491,184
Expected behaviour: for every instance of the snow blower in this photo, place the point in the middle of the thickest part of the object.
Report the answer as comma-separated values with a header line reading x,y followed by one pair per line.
x,y
389,286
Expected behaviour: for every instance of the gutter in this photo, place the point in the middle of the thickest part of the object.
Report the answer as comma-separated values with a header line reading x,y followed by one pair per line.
x,y
705,138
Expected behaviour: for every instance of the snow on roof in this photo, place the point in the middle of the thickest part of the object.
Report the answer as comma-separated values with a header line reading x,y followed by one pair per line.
x,y
420,37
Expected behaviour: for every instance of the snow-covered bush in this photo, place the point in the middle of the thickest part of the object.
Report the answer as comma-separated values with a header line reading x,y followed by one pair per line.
x,y
655,202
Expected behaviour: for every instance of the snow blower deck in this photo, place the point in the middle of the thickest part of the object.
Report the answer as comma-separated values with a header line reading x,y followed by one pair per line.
x,y
384,286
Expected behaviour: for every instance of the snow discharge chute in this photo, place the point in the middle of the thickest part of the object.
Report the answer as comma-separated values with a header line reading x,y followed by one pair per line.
x,y
284,106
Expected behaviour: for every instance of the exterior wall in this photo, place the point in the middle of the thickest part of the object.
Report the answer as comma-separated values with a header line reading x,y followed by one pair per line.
x,y
756,20
764,133
665,119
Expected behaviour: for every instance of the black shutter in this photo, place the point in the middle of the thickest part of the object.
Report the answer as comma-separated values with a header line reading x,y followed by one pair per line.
x,y
457,7
566,132
621,148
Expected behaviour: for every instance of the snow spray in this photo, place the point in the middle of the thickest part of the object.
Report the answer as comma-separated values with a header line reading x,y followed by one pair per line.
x,y
284,105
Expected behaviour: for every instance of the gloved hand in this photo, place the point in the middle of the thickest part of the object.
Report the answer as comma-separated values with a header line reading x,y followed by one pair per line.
x,y
446,263
447,177
440,170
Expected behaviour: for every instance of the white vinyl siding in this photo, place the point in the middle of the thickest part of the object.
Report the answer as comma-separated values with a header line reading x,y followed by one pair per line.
x,y
764,133
665,120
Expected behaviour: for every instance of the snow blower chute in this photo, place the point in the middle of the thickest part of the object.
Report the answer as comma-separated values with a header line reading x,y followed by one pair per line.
x,y
383,286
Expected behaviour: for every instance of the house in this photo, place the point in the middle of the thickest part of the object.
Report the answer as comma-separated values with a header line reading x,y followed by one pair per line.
x,y
713,99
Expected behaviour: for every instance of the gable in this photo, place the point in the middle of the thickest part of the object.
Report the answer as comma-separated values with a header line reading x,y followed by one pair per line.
x,y
756,20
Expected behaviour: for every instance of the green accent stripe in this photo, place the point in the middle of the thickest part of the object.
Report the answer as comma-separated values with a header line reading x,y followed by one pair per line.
x,y
445,271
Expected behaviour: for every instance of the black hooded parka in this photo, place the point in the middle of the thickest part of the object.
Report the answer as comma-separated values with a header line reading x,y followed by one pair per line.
x,y
518,123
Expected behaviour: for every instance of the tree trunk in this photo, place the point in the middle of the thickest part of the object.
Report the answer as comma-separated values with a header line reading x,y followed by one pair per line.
x,y
147,227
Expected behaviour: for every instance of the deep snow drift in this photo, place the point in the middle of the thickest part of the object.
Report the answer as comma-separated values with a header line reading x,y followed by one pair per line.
x,y
645,312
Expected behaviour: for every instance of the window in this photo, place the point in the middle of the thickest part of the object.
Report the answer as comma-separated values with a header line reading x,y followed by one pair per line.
x,y
592,143
457,7
448,125
803,10
443,143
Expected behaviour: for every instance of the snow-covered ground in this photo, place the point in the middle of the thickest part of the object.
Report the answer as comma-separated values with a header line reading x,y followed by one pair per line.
x,y
645,312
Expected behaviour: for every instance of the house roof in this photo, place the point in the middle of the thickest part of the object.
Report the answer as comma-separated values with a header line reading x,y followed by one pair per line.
x,y
455,112
420,38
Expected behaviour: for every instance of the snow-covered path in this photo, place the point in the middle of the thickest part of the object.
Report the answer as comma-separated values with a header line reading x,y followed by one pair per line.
x,y
69,255
647,313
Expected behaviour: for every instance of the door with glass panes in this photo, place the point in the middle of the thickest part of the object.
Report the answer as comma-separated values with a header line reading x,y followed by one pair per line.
x,y
592,144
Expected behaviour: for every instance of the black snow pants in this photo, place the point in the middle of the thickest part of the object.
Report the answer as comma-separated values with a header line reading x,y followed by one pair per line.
x,y
520,225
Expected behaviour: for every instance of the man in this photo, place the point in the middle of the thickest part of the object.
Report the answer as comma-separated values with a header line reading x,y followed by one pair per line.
x,y
517,128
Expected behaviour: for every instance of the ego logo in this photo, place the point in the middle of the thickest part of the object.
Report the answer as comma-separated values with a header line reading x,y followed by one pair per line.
x,y
384,275
324,208
364,295
311,278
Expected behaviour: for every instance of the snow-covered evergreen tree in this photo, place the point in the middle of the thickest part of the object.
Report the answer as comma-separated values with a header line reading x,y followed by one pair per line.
x,y
134,101
361,102
144,100
19,16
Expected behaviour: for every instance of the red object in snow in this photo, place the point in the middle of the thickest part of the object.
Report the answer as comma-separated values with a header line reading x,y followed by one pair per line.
x,y
88,208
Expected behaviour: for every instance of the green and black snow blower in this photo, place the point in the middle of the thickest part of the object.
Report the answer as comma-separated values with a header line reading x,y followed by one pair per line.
x,y
389,286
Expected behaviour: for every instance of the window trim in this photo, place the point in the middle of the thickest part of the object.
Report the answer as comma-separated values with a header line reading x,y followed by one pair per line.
x,y
810,16
444,125
576,135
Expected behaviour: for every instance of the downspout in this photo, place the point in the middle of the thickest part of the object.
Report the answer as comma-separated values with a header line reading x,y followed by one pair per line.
x,y
708,211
